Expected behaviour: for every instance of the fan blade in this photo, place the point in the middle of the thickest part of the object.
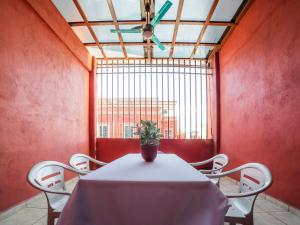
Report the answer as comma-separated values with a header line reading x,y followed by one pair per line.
x,y
133,31
157,42
163,10
137,27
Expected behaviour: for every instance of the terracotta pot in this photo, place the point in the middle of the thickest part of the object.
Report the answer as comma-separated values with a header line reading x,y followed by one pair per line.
x,y
149,152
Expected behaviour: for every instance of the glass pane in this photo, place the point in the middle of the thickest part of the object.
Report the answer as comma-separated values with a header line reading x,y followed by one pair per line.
x,y
113,51
202,51
84,34
164,32
131,37
96,10
94,51
104,35
196,9
127,10
68,10
188,33
157,53
135,51
213,34
226,9
171,14
182,51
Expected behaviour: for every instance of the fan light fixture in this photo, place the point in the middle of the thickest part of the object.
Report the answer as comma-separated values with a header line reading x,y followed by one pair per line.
x,y
147,29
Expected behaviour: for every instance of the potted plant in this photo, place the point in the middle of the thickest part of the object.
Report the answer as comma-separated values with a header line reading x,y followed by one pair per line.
x,y
149,136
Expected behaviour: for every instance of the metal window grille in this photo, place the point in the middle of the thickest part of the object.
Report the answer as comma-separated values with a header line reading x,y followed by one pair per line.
x,y
172,93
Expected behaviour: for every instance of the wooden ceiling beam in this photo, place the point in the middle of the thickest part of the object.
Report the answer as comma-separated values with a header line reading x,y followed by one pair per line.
x,y
114,17
86,22
208,18
141,22
151,44
238,19
141,58
178,16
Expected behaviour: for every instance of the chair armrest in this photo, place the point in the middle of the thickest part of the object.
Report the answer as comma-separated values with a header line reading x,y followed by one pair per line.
x,y
202,162
245,194
100,163
48,190
210,171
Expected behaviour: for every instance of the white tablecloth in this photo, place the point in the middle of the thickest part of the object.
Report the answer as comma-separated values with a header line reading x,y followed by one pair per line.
x,y
129,191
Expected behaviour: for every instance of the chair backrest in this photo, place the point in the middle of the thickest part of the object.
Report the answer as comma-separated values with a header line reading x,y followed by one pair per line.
x,y
254,179
48,176
80,162
219,162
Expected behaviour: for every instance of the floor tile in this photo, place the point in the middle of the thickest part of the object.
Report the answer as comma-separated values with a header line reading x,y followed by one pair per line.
x,y
40,203
287,217
266,219
26,216
267,206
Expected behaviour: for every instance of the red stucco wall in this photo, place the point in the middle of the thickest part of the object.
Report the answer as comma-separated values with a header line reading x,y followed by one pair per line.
x,y
260,94
43,99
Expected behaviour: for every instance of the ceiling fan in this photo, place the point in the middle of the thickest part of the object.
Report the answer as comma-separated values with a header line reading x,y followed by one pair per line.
x,y
147,29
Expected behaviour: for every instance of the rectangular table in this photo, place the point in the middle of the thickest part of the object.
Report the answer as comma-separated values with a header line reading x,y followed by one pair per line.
x,y
129,191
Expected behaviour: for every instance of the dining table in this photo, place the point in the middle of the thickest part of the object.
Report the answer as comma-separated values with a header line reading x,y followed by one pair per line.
x,y
130,191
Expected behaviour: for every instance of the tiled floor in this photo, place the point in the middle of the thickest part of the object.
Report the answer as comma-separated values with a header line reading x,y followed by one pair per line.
x,y
265,212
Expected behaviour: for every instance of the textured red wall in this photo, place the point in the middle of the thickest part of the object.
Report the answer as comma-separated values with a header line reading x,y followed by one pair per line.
x,y
260,94
43,99
193,150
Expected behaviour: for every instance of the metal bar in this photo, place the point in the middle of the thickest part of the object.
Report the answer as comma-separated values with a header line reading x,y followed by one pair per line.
x,y
206,103
140,92
101,116
179,122
107,105
145,92
168,100
196,105
128,96
118,111
134,113
201,106
156,92
123,67
112,103
174,122
190,73
151,87
184,91
162,99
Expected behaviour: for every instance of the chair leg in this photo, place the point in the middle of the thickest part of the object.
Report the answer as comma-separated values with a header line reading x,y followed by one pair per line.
x,y
249,219
50,218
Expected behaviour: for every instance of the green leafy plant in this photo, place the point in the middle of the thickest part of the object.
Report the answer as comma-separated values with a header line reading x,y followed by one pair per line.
x,y
148,133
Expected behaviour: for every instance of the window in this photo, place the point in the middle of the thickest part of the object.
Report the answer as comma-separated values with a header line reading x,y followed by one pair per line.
x,y
103,131
129,131
172,93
